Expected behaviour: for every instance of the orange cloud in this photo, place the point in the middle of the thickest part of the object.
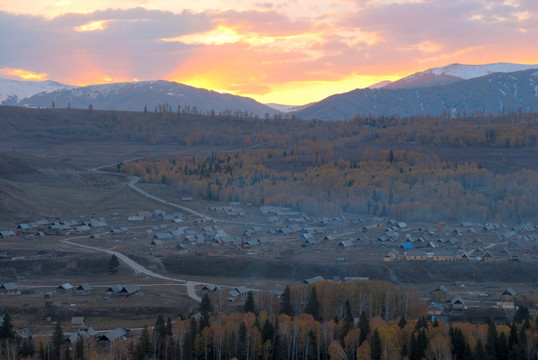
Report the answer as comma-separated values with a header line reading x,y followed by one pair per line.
x,y
24,74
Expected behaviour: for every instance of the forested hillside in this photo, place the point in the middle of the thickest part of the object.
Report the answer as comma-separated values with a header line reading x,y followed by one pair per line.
x,y
355,167
479,167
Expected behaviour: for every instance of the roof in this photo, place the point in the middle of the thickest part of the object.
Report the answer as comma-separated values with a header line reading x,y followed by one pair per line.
x,y
510,292
416,253
442,289
6,233
211,287
436,306
77,320
9,286
163,236
313,280
24,333
130,289
407,246
84,287
66,286
114,288
457,299
345,243
242,289
113,335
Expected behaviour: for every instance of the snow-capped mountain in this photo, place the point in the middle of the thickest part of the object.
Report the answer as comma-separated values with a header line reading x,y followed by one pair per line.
x,y
473,71
453,73
495,93
12,91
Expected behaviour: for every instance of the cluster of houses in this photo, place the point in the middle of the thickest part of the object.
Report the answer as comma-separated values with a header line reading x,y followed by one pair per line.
x,y
439,255
67,289
231,210
237,293
156,215
455,308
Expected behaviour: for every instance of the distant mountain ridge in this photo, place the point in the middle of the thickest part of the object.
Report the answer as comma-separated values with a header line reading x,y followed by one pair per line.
x,y
453,73
135,96
495,93
453,87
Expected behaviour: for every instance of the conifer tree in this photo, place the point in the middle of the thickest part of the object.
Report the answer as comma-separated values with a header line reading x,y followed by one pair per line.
x,y
79,348
479,353
58,339
249,304
206,310
285,305
402,322
364,326
145,347
491,341
376,346
6,330
312,307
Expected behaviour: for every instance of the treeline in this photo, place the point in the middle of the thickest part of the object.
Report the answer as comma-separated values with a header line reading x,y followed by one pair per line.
x,y
399,184
187,126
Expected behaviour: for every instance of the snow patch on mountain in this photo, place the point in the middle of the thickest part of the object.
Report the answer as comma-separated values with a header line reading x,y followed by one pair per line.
x,y
12,91
473,71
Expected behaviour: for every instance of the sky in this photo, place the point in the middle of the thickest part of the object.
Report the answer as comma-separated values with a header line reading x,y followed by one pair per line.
x,y
282,51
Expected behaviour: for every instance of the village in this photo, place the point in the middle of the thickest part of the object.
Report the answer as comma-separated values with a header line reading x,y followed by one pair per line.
x,y
234,231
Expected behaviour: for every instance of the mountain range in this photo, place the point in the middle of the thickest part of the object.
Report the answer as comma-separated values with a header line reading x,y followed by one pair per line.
x,y
493,88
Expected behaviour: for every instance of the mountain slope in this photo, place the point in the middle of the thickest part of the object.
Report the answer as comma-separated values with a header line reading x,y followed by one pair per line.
x,y
135,96
453,73
12,91
493,93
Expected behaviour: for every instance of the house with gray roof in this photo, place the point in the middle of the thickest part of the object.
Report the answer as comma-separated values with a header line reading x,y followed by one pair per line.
x,y
8,288
113,335
130,290
313,280
6,233
66,288
84,289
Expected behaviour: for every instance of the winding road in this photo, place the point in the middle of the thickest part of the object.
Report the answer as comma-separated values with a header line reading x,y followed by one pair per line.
x,y
190,285
136,266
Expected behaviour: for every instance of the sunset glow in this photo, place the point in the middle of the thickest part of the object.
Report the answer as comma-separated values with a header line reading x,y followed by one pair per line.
x,y
283,52
22,74
92,26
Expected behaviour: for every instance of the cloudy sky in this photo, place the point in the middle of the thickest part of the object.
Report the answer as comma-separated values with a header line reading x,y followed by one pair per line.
x,y
285,51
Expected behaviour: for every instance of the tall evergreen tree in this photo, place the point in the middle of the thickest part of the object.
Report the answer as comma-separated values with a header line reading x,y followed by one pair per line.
x,y
145,347
491,341
206,310
376,349
169,327
6,330
268,331
479,353
364,326
58,340
502,348
348,321
79,348
312,307
285,305
249,304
